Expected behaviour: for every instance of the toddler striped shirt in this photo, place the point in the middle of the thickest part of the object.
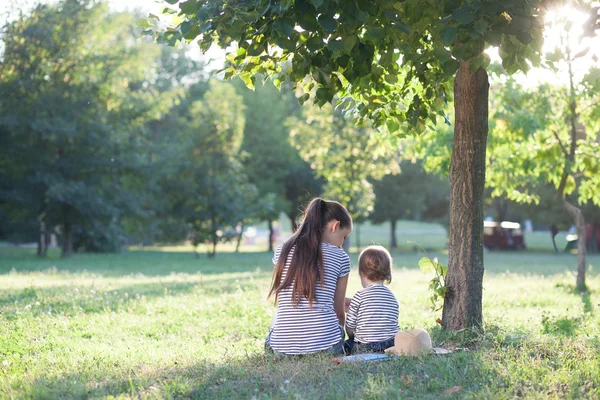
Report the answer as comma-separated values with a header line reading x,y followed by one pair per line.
x,y
373,314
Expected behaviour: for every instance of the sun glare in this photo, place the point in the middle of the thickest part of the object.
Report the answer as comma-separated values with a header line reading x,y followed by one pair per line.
x,y
564,28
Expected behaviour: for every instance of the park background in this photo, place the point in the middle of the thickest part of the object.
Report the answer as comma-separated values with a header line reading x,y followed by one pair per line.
x,y
139,194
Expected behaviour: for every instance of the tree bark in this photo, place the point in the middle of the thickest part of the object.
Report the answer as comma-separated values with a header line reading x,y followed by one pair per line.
x,y
463,301
67,245
47,241
239,237
214,248
393,241
579,221
553,233
270,222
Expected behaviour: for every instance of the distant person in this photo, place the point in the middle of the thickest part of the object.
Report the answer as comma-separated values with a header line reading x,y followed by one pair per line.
x,y
372,320
309,283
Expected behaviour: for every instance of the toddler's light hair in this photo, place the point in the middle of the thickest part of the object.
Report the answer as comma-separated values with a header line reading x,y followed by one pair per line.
x,y
375,264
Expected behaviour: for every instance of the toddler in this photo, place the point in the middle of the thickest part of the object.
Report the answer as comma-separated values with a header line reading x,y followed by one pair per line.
x,y
372,320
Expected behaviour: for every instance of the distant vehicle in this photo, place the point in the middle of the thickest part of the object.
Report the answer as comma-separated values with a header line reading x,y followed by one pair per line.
x,y
572,238
503,235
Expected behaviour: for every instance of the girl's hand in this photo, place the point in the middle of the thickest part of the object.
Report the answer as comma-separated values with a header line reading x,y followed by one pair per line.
x,y
347,301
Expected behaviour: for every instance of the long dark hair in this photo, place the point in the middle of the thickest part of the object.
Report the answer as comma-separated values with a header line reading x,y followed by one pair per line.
x,y
306,266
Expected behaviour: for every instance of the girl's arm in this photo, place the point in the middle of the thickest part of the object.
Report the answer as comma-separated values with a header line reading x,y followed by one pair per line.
x,y
339,298
347,304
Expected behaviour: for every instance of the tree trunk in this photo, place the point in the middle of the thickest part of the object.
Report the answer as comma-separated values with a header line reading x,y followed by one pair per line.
x,y
270,222
47,241
214,248
67,245
553,233
577,216
239,237
463,302
393,241
41,240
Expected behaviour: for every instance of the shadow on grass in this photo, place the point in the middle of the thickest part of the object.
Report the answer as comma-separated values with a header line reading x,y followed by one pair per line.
x,y
263,376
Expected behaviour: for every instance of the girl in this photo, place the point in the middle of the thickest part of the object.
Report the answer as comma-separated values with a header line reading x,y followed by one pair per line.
x,y
372,320
309,283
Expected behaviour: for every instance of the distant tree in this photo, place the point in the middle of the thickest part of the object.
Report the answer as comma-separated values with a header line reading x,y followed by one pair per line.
x,y
208,187
267,153
554,131
347,157
412,194
71,125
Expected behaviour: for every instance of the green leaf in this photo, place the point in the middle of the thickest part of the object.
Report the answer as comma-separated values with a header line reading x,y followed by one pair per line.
x,y
317,3
442,54
325,95
449,34
302,99
392,125
285,26
256,49
321,77
391,78
426,265
172,1
285,4
480,26
402,27
349,42
189,7
525,37
248,80
143,23
438,104
328,23
315,43
463,16
450,67
376,33
336,46
476,62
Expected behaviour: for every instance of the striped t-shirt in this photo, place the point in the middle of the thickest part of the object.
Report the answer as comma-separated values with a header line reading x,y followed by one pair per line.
x,y
373,314
300,330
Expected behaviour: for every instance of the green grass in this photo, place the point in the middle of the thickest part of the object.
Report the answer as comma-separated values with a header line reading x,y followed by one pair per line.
x,y
153,324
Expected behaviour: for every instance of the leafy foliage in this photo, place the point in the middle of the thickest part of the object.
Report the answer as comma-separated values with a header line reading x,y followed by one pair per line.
x,y
389,62
74,123
437,287
345,156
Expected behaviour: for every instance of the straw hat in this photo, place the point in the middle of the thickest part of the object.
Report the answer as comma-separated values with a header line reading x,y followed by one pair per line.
x,y
413,343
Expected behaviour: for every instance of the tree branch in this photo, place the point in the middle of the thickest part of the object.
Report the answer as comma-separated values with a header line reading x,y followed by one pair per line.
x,y
562,147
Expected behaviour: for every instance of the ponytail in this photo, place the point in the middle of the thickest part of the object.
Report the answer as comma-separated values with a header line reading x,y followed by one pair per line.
x,y
306,266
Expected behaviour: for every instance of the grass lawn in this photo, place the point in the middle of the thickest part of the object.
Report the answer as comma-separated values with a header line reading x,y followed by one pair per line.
x,y
155,324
